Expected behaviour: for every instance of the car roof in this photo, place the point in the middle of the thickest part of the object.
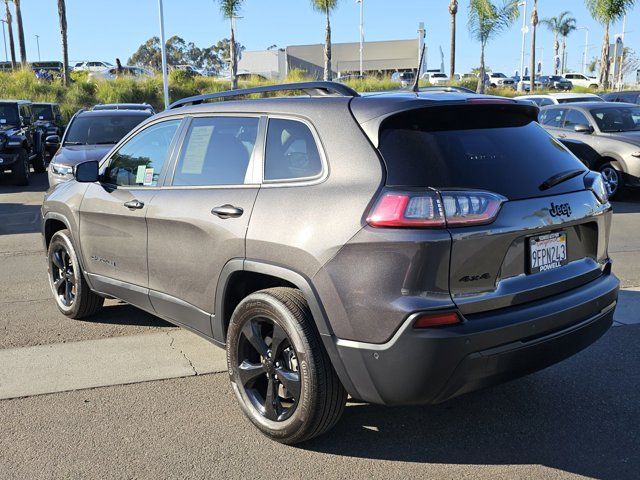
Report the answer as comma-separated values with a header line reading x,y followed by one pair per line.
x,y
122,106
10,100
114,112
44,103
572,95
588,105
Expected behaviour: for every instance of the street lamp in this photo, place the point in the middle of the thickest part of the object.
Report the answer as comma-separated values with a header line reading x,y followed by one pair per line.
x,y
163,51
6,57
38,43
361,2
584,54
525,29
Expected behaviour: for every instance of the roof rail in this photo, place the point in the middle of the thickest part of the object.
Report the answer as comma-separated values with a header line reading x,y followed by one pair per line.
x,y
310,88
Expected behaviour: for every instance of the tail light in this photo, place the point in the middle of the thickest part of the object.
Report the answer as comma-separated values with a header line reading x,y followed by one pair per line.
x,y
429,320
435,209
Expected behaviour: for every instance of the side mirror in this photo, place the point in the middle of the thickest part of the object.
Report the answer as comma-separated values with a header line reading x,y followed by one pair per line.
x,y
58,118
583,128
52,140
26,121
86,172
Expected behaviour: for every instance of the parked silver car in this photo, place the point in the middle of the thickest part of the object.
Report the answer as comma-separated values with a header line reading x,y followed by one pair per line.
x,y
611,129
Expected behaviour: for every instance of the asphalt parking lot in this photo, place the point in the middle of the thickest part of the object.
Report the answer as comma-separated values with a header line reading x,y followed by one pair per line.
x,y
576,419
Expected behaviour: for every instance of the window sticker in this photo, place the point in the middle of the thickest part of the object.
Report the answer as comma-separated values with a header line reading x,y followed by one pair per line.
x,y
3,120
140,174
40,117
148,177
196,150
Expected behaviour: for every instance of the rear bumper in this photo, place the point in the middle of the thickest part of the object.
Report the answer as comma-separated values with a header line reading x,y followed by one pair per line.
x,y
434,365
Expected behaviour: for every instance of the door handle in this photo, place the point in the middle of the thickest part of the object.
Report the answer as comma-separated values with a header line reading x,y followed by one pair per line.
x,y
227,211
134,204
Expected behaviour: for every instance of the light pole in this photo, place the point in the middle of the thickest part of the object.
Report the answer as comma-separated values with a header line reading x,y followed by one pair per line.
x,y
361,2
524,33
163,50
621,74
38,43
541,60
4,37
584,54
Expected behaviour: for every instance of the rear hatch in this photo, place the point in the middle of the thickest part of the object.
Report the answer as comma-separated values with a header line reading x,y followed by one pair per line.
x,y
548,233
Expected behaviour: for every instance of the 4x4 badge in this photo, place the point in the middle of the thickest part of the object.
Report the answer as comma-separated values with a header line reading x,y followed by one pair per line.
x,y
563,209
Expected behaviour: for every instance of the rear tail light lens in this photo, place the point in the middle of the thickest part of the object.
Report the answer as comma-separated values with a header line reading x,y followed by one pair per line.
x,y
429,320
435,209
600,188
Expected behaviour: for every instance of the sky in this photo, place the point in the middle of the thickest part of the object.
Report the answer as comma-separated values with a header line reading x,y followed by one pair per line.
x,y
106,29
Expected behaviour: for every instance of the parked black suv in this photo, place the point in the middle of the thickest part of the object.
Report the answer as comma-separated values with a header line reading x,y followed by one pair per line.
x,y
48,119
403,248
21,142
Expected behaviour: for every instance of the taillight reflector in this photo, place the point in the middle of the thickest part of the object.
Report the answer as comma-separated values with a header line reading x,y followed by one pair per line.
x,y
428,320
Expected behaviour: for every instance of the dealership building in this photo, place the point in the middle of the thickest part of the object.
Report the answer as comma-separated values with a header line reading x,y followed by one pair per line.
x,y
383,57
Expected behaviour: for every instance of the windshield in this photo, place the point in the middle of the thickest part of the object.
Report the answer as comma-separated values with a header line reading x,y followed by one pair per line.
x,y
9,114
618,119
406,76
556,78
499,75
42,112
496,148
439,75
100,130
579,99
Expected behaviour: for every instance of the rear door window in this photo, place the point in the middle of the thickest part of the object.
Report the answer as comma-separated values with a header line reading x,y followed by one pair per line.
x,y
573,118
291,151
552,117
498,148
217,151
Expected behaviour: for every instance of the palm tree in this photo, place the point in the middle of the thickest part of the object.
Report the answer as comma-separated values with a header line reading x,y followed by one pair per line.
x,y
532,64
21,44
453,10
486,20
230,10
326,6
62,14
12,45
607,12
557,25
568,26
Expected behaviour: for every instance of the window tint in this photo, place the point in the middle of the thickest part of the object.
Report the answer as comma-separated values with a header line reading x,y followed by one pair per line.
x,y
617,119
546,101
494,148
101,129
217,151
552,117
574,118
139,161
291,152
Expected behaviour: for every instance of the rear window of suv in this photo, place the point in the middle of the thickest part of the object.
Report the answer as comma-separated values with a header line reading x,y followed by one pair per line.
x,y
499,148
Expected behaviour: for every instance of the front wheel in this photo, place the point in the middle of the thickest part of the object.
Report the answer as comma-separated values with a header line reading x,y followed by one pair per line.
x,y
280,372
20,170
614,180
73,296
39,162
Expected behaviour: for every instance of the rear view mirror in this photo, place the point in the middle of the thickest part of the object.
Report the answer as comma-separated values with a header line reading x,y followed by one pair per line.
x,y
86,172
583,128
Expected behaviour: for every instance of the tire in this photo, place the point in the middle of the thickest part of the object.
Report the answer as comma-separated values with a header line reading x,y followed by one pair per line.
x,y
20,170
302,410
73,296
39,163
614,180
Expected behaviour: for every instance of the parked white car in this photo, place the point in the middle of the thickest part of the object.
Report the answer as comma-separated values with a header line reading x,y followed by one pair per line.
x,y
436,78
556,98
580,80
497,79
127,71
92,66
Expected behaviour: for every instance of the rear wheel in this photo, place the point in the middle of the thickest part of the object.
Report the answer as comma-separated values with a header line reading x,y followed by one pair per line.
x,y
280,372
614,180
70,290
39,163
20,169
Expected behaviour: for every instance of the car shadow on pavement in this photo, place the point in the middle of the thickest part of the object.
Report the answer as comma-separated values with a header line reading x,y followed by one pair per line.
x,y
124,314
580,416
628,205
18,218
38,182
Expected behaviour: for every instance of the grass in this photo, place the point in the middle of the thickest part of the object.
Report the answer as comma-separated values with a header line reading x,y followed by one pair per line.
x,y
84,93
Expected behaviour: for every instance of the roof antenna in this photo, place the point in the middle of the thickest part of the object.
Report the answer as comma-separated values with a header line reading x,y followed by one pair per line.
x,y
416,84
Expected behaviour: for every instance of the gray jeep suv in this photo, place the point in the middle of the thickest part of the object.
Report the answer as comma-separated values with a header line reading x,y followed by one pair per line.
x,y
401,248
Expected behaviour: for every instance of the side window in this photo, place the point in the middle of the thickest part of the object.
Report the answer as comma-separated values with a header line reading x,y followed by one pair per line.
x,y
546,101
139,161
552,117
291,151
217,151
573,118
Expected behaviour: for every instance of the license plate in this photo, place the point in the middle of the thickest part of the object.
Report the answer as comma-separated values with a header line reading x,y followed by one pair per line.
x,y
547,252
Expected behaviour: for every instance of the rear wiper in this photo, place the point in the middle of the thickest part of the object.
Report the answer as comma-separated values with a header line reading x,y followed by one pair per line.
x,y
559,178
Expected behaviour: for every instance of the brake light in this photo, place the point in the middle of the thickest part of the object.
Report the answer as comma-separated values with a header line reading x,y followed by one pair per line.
x,y
435,209
490,100
428,320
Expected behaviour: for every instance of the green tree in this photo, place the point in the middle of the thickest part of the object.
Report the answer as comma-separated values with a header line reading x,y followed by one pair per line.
x,y
326,7
453,11
532,64
558,26
12,45
607,12
230,10
486,20
21,44
567,27
62,15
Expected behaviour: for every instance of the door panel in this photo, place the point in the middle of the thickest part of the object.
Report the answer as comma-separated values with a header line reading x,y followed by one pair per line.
x,y
189,246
